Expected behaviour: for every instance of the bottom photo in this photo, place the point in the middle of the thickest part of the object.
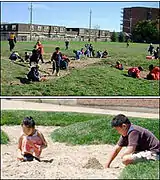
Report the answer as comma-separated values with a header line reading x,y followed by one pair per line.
x,y
80,138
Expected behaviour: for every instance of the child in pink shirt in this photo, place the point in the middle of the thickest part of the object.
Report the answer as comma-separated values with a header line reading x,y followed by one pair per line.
x,y
31,142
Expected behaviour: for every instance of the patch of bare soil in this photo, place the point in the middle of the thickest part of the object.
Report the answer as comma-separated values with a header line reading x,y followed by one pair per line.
x,y
58,160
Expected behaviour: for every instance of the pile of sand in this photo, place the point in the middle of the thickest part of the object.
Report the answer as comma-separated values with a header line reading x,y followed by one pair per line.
x,y
93,163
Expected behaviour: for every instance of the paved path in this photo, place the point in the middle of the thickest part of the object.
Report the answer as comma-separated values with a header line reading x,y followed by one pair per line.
x,y
21,105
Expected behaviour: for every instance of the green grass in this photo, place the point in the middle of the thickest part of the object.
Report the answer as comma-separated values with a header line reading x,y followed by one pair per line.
x,y
77,128
9,117
95,80
142,170
4,138
98,131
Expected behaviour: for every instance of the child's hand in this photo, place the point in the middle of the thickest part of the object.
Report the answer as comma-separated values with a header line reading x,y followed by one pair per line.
x,y
19,155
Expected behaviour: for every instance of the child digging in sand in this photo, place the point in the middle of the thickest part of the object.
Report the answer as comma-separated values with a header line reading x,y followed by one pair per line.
x,y
140,143
31,142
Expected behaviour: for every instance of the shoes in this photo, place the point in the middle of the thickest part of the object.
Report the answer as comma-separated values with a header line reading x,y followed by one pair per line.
x,y
57,74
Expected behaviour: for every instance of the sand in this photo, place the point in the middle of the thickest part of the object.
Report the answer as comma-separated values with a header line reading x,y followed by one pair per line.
x,y
58,160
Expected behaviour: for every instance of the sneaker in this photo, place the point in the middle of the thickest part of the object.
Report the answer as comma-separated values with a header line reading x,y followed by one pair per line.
x,y
57,74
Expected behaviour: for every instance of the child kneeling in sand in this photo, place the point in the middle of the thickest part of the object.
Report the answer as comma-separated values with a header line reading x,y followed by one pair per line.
x,y
140,143
31,142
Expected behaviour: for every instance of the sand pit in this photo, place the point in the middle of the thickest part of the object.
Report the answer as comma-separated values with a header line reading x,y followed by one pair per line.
x,y
58,161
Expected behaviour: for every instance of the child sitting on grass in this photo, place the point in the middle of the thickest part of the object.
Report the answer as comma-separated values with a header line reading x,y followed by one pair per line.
x,y
14,56
140,143
135,72
119,65
154,73
31,142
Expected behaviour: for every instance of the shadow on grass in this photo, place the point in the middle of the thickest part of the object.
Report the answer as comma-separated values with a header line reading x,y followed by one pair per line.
x,y
126,75
23,80
20,64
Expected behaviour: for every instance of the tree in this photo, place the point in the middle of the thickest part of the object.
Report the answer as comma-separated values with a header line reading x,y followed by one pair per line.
x,y
121,37
114,36
146,31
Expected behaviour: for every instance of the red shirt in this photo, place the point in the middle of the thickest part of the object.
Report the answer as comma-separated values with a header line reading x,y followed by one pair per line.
x,y
40,47
135,70
155,73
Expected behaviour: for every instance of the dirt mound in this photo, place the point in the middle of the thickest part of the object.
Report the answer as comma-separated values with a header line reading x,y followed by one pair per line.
x,y
93,163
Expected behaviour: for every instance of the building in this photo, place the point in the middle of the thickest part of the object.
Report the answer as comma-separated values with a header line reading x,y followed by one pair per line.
x,y
130,16
24,32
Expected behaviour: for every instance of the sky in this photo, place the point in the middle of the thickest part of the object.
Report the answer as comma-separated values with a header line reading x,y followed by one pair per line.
x,y
105,15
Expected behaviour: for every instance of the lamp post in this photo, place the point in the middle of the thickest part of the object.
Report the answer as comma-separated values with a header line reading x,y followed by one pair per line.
x,y
90,22
31,9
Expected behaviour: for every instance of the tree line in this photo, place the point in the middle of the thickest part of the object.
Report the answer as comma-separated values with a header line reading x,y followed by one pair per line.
x,y
143,32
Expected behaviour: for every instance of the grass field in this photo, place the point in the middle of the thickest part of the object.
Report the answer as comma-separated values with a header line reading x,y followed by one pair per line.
x,y
97,79
79,128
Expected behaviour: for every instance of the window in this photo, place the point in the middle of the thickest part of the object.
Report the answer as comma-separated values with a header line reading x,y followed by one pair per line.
x,y
82,30
46,28
2,27
32,28
13,27
6,27
55,29
39,28
61,29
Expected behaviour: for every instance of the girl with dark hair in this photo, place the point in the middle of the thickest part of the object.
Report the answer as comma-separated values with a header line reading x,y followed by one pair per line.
x,y
31,142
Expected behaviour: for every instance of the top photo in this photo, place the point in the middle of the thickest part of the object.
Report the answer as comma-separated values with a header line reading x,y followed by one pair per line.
x,y
80,48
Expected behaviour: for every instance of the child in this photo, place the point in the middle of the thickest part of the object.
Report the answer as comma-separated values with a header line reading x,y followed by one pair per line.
x,y
154,73
78,54
26,56
67,44
34,58
150,49
140,143
64,62
12,40
135,72
99,54
31,142
14,56
33,74
56,58
40,50
105,54
119,65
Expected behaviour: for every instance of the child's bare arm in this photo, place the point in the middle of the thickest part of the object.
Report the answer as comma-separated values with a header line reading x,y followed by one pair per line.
x,y
113,155
44,145
19,151
20,143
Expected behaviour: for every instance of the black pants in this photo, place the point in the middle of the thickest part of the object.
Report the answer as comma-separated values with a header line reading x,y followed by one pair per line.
x,y
56,66
11,45
41,58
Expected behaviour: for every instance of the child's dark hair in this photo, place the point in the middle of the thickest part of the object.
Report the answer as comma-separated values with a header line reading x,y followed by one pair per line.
x,y
119,120
29,122
140,68
150,67
57,48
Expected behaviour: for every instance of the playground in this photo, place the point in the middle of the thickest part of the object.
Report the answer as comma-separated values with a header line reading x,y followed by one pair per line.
x,y
87,77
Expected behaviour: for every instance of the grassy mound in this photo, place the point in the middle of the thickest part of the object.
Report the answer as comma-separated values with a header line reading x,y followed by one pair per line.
x,y
4,138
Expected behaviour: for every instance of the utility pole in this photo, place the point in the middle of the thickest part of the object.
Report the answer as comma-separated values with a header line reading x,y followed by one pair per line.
x,y
90,22
31,9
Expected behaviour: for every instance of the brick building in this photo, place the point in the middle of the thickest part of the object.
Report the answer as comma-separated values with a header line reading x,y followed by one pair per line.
x,y
134,14
47,32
